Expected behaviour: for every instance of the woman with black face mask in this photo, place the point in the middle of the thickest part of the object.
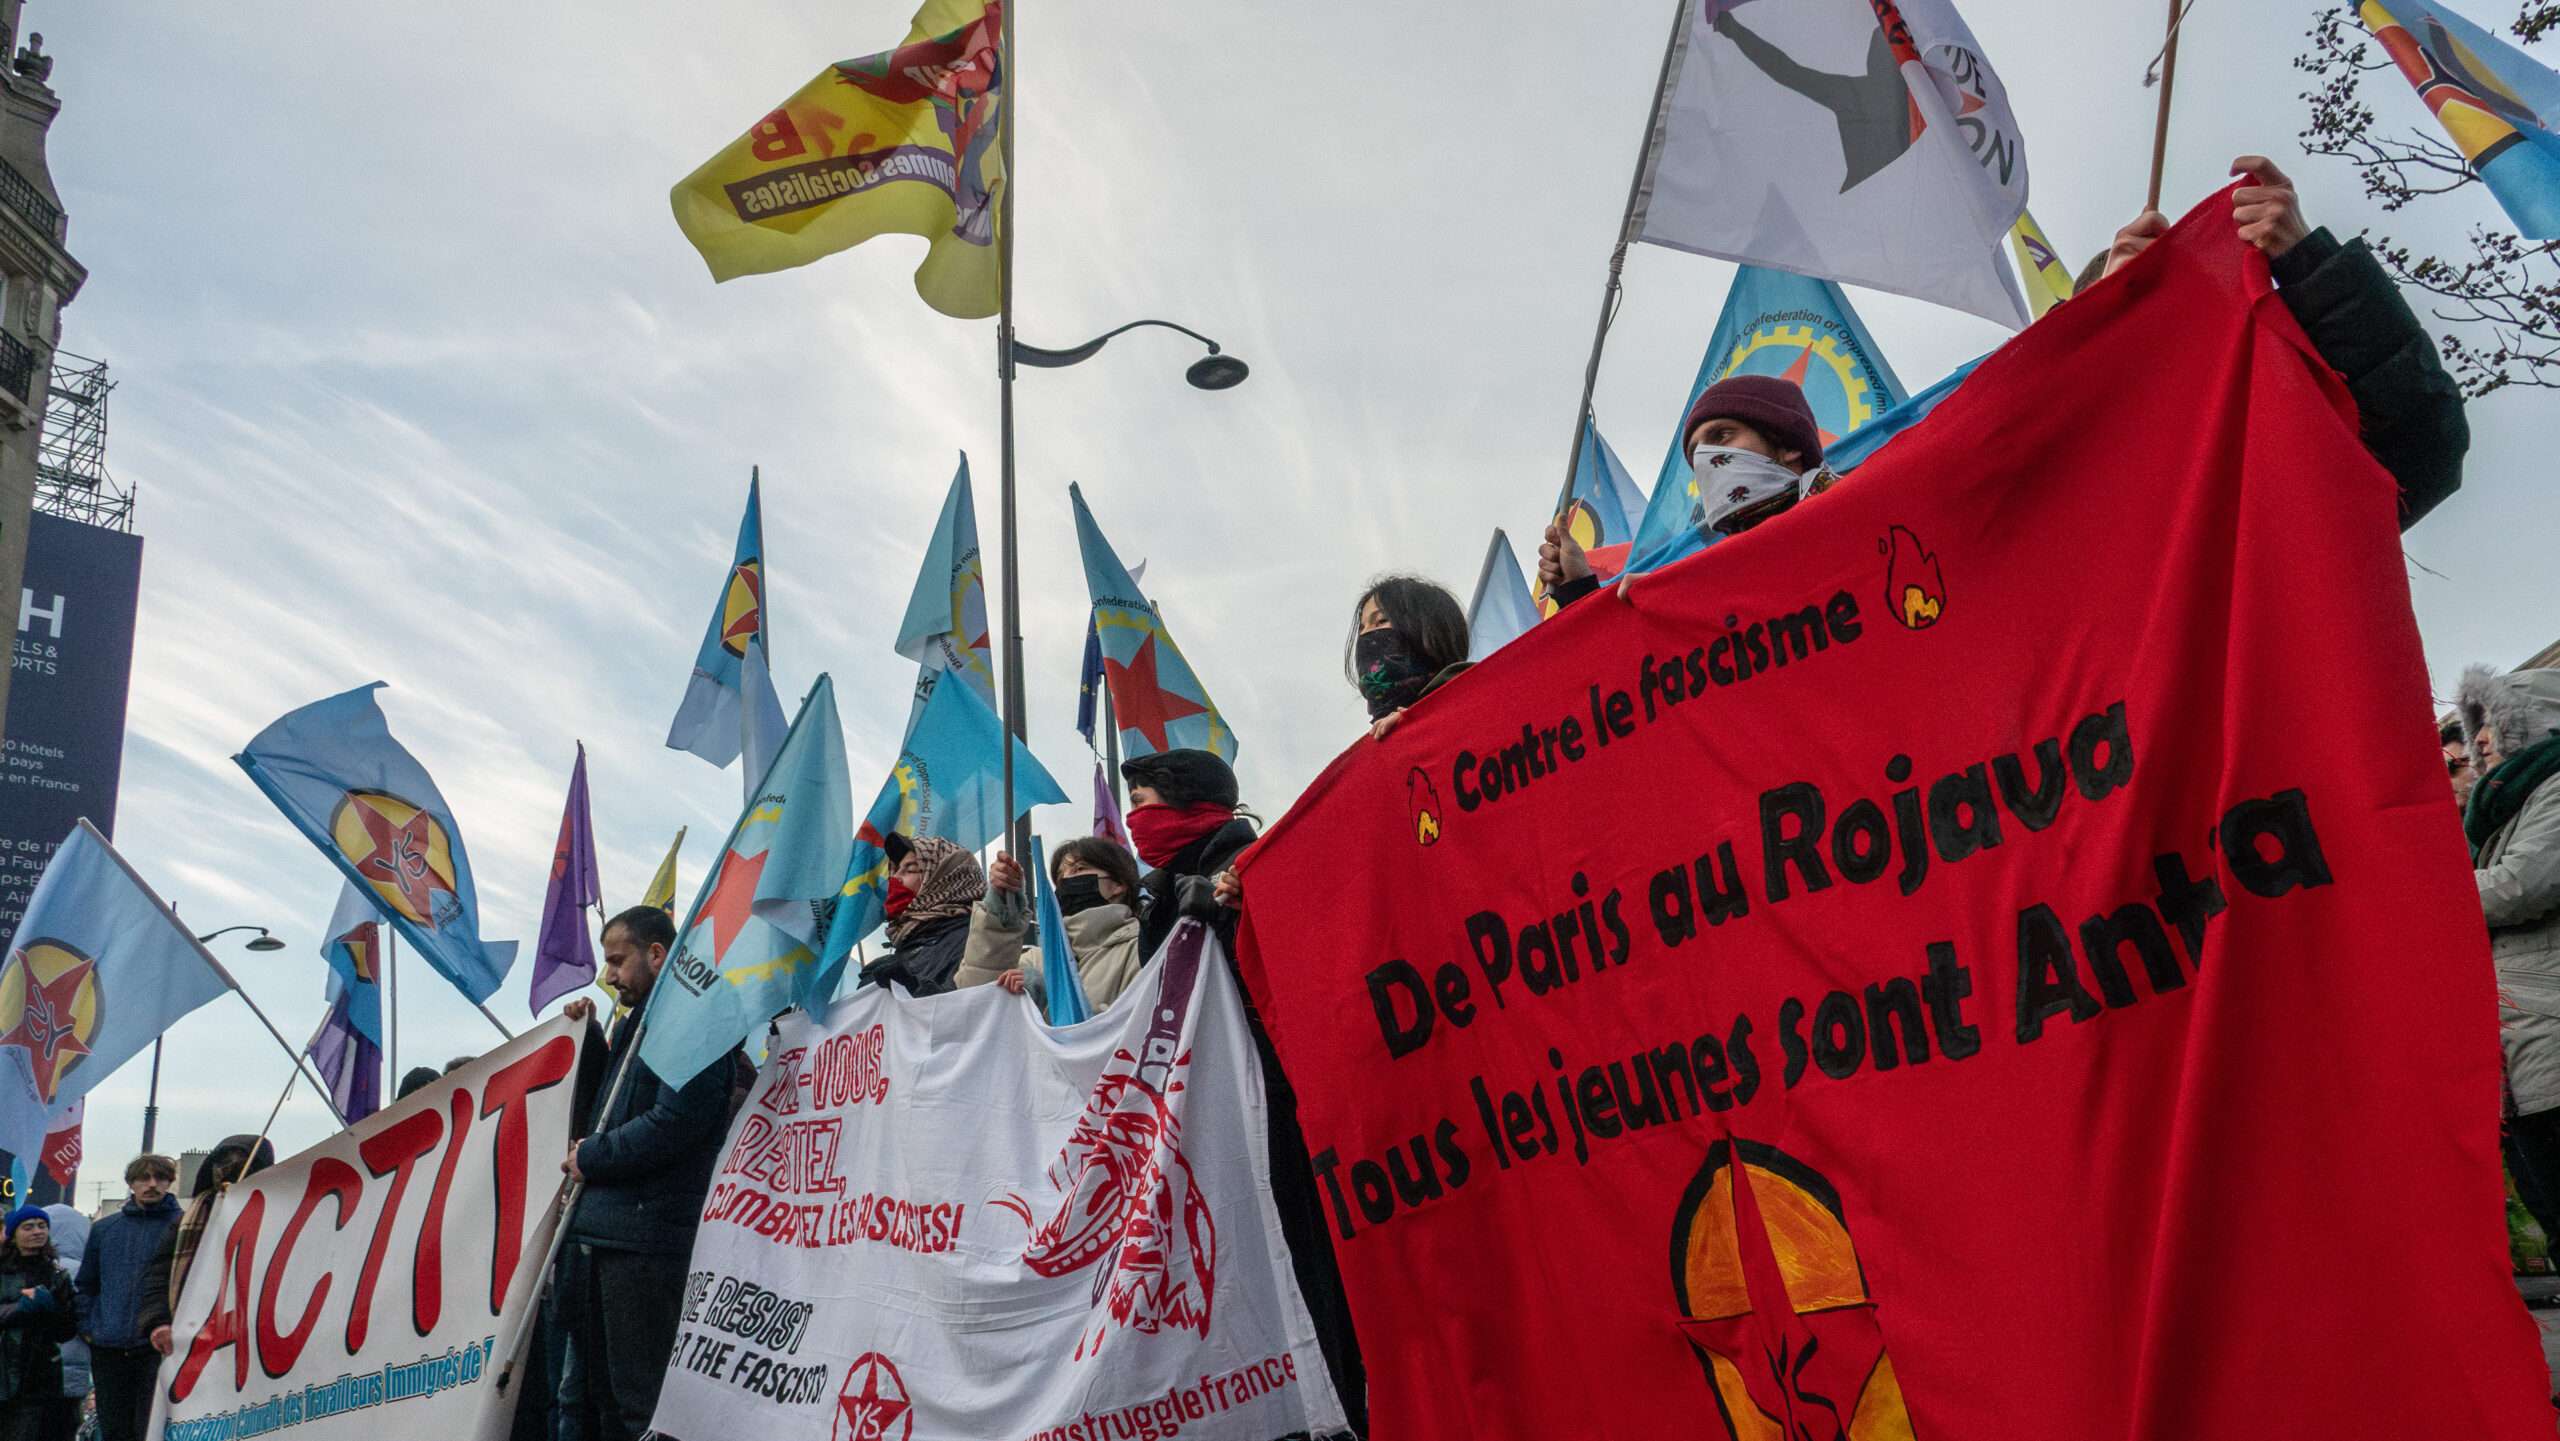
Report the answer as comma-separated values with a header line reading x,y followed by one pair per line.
x,y
1097,885
1408,639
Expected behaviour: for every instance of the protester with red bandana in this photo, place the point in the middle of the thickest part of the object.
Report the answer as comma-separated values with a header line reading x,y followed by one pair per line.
x,y
932,885
1184,822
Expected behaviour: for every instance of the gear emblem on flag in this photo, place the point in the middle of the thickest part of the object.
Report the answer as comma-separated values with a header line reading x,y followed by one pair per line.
x,y
873,1404
49,1008
1830,377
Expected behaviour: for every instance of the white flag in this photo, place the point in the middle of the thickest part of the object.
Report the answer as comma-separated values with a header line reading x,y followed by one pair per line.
x,y
1865,141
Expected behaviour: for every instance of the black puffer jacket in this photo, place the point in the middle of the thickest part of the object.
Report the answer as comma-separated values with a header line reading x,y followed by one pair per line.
x,y
927,962
648,1158
33,1328
2359,322
1183,885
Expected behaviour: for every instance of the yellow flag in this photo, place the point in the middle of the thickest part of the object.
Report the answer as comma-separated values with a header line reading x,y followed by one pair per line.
x,y
899,143
2048,281
662,886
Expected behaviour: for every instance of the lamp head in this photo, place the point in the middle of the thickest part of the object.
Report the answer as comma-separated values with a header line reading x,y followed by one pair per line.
x,y
1217,372
266,942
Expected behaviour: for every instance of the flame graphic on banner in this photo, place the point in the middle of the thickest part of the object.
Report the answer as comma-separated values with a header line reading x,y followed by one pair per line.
x,y
1915,592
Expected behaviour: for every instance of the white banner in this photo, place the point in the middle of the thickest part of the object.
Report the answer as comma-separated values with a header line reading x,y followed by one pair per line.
x,y
940,1220
375,1284
1865,141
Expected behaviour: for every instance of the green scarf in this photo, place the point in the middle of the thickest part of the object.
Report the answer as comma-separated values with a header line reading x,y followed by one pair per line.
x,y
2502,792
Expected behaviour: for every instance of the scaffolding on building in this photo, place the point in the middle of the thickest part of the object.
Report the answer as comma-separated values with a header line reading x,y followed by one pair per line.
x,y
71,457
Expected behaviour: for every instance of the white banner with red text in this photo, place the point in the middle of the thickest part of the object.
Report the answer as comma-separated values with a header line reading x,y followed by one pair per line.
x,y
375,1284
942,1220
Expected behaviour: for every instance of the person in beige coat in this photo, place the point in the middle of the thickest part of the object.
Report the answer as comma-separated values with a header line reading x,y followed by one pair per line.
x,y
1097,884
2512,724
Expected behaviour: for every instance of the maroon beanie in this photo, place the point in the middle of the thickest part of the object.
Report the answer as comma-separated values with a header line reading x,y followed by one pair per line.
x,y
1774,407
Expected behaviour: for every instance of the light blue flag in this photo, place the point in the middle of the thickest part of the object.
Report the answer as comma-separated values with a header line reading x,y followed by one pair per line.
x,y
718,714
1068,1003
2500,106
947,782
1156,701
760,722
353,948
945,627
1612,505
1870,438
747,949
1502,610
97,970
336,773
1779,324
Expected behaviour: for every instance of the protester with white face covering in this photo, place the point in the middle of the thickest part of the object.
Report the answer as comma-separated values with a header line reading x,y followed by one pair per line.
x,y
1756,451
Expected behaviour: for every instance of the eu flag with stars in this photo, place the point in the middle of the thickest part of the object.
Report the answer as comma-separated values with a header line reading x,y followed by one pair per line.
x,y
1156,701
334,770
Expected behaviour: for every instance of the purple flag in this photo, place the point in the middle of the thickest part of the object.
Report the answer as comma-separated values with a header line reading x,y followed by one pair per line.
x,y
350,1064
1106,810
565,959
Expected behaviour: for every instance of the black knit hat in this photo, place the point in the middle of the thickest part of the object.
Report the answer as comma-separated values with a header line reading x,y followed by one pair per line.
x,y
1184,777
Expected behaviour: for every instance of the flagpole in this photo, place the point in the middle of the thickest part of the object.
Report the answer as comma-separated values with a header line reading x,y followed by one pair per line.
x,y
1626,236
2168,83
391,1002
1013,699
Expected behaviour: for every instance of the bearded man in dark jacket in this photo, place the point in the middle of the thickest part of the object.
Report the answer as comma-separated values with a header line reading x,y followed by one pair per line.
x,y
644,1168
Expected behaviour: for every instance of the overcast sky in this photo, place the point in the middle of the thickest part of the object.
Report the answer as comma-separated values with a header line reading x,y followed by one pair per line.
x,y
420,383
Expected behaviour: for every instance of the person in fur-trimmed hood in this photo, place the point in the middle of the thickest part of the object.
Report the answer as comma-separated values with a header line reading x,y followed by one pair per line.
x,y
2512,725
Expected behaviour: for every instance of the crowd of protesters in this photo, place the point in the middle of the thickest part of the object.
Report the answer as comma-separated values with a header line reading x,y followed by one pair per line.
x,y
648,1150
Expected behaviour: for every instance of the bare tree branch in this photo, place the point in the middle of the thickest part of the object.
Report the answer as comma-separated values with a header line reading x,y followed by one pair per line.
x,y
2501,304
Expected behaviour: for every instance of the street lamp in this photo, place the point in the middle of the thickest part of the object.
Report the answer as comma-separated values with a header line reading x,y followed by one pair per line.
x,y
265,941
1214,371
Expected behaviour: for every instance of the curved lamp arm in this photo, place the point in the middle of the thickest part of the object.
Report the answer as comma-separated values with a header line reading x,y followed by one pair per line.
x,y
1217,371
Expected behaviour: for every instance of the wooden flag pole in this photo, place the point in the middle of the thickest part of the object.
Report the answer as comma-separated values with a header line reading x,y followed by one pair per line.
x,y
1626,236
2168,84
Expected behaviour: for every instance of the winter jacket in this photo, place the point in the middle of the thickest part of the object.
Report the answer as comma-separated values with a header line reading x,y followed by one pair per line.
x,y
112,1267
1182,886
648,1158
1103,939
927,962
33,1328
2411,410
2518,868
166,1276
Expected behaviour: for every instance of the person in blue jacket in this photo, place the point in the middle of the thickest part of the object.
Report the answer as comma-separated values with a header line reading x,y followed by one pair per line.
x,y
122,1362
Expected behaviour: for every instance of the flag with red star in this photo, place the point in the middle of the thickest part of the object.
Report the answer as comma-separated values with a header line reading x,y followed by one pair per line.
x,y
723,712
948,781
748,948
1156,700
335,771
97,969
945,627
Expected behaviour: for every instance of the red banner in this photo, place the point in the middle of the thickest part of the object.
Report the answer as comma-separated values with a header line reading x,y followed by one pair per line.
x,y
1988,954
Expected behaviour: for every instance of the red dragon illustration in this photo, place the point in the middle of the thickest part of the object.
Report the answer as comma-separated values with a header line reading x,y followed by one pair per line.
x,y
1129,1203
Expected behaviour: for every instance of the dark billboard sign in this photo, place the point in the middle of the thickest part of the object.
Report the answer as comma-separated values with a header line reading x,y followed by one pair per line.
x,y
73,660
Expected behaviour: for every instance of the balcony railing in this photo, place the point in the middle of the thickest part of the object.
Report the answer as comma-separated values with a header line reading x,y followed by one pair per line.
x,y
17,367
20,194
